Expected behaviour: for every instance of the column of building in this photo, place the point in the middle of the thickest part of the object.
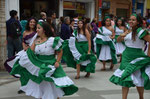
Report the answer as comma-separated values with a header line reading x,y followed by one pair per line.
x,y
2,34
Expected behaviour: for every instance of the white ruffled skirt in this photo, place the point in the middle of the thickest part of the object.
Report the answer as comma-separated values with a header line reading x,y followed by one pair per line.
x,y
44,90
119,48
105,53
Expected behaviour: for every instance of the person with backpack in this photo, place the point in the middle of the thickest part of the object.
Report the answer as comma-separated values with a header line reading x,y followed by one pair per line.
x,y
29,35
13,34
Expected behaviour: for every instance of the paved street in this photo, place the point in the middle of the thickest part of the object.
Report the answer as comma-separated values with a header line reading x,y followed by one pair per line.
x,y
95,87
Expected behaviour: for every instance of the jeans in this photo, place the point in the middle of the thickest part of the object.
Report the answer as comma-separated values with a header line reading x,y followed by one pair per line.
x,y
13,46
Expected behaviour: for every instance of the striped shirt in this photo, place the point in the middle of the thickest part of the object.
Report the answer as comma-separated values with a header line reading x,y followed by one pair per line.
x,y
76,23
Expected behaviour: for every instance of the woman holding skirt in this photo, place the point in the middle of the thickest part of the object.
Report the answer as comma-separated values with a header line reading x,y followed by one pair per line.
x,y
77,51
29,36
105,47
41,73
119,29
135,65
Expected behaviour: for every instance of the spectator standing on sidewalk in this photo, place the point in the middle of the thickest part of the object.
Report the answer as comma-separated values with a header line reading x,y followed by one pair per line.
x,y
49,21
72,25
61,20
13,34
23,24
65,29
94,25
53,17
76,21
43,17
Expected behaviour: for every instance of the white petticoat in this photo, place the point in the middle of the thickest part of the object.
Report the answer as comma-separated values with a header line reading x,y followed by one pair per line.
x,y
119,48
105,53
136,76
44,90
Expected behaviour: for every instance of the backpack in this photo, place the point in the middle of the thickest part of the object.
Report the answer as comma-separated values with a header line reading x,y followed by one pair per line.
x,y
15,30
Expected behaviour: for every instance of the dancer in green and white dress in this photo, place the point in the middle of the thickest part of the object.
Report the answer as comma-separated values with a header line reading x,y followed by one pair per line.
x,y
119,29
42,75
135,66
105,47
77,51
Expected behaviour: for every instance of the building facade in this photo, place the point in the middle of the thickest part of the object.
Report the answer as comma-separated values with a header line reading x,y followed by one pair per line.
x,y
138,6
119,8
147,8
33,7
61,7
2,34
84,8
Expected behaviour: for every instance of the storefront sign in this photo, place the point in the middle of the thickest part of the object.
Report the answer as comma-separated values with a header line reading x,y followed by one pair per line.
x,y
69,5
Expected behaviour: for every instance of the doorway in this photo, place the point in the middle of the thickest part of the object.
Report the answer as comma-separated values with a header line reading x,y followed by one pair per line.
x,y
34,7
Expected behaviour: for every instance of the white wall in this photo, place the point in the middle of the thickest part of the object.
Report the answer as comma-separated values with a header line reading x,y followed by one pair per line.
x,y
11,5
60,8
92,12
145,5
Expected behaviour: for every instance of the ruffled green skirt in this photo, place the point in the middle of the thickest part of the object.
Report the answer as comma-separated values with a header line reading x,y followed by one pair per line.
x,y
134,69
76,53
40,68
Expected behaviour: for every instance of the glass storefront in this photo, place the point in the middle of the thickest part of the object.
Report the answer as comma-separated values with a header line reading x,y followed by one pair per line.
x,y
34,7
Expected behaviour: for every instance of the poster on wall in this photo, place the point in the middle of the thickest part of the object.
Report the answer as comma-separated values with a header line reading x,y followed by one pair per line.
x,y
69,5
81,9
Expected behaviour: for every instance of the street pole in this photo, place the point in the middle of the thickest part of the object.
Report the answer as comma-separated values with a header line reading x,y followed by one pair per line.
x,y
100,14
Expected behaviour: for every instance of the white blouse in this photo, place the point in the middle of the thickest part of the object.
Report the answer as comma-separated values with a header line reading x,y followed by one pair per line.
x,y
81,38
138,43
46,48
118,31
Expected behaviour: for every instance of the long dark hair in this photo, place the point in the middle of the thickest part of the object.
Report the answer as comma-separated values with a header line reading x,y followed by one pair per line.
x,y
27,25
79,30
46,27
140,22
49,21
103,22
123,22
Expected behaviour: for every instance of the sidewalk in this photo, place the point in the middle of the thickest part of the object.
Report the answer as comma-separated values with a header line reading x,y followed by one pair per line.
x,y
6,78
